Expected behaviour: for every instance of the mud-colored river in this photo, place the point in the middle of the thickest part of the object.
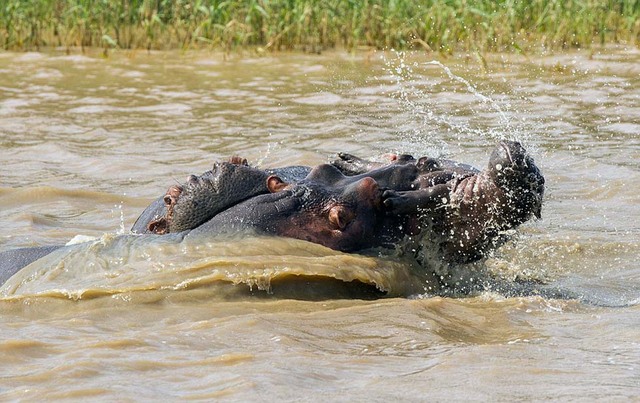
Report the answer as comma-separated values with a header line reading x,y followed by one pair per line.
x,y
86,143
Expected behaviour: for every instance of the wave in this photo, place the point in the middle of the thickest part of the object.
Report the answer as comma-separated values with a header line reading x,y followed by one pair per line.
x,y
252,264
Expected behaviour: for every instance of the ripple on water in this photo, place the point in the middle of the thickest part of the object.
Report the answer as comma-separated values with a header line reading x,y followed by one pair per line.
x,y
47,74
323,98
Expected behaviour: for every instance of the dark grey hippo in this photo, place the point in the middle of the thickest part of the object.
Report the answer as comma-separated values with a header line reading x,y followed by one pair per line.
x,y
469,209
202,197
185,207
372,205
345,217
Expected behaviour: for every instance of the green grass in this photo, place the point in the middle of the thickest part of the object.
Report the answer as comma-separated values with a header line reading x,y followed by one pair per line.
x,y
314,25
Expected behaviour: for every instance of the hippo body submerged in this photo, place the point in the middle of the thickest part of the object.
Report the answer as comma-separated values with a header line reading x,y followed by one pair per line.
x,y
342,217
467,208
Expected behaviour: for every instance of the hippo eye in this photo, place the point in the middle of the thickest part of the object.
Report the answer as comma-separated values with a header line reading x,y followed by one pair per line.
x,y
340,217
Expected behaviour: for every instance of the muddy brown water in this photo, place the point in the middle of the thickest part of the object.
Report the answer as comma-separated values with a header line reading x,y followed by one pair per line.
x,y
87,142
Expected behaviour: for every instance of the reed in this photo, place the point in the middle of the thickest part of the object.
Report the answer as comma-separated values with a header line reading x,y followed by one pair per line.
x,y
314,25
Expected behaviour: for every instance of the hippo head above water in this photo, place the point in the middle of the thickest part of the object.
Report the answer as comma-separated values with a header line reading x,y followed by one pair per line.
x,y
341,218
202,197
484,206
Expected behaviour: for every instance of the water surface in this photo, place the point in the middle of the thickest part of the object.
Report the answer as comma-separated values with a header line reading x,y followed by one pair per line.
x,y
86,143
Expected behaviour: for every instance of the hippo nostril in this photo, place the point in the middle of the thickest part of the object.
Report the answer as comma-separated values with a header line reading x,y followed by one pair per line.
x,y
369,183
367,189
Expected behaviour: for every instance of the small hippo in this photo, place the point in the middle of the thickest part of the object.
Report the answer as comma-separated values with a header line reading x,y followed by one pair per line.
x,y
472,211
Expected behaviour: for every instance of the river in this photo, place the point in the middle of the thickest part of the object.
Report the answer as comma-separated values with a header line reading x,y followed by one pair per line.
x,y
87,142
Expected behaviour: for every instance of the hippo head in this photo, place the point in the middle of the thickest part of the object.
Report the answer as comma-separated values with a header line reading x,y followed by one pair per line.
x,y
339,217
202,197
514,171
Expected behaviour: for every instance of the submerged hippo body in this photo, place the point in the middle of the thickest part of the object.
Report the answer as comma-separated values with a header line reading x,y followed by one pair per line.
x,y
471,208
373,205
342,218
12,261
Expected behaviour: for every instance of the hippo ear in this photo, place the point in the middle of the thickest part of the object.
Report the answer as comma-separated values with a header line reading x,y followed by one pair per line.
x,y
236,160
275,184
339,217
172,195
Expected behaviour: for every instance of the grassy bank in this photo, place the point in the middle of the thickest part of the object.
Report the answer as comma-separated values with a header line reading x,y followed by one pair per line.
x,y
438,25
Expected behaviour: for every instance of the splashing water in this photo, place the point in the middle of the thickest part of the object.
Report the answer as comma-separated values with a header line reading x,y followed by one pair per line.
x,y
120,209
468,115
437,117
503,118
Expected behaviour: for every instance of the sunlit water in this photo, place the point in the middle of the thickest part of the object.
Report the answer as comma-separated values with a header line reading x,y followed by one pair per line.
x,y
86,143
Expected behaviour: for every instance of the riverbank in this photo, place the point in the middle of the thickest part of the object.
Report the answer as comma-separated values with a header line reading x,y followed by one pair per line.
x,y
313,26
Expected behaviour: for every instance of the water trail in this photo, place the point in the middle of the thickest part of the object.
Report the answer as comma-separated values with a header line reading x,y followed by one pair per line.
x,y
485,99
120,208
438,118
265,155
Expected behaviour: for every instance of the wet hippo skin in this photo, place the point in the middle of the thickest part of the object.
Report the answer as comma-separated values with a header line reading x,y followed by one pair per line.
x,y
377,207
480,206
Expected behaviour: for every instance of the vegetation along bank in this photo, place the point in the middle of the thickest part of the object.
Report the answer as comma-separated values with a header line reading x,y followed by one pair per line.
x,y
315,25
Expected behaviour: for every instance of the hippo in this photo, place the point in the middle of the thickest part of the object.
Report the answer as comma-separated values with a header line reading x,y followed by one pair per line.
x,y
202,197
476,209
349,205
185,207
470,209
344,218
